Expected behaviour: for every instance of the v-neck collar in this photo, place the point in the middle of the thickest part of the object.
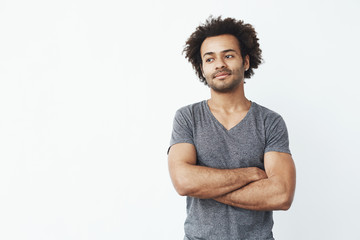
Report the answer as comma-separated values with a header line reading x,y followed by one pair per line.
x,y
220,124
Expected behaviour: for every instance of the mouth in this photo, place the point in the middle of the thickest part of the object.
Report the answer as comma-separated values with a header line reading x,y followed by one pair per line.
x,y
221,75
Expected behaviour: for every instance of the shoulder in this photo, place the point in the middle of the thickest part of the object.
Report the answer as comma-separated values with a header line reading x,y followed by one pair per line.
x,y
265,114
191,110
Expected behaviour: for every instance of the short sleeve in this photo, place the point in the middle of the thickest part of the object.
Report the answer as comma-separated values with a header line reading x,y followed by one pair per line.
x,y
276,135
182,128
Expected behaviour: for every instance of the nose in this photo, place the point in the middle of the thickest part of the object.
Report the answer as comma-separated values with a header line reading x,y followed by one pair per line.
x,y
220,63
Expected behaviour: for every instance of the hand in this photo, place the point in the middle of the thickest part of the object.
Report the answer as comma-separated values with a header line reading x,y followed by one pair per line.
x,y
258,173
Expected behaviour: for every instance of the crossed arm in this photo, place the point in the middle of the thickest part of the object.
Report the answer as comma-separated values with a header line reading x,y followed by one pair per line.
x,y
249,188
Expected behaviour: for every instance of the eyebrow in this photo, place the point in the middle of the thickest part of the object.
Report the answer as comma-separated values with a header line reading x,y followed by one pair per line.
x,y
224,51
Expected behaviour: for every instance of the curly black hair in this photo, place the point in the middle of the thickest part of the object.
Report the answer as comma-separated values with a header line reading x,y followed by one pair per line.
x,y
245,34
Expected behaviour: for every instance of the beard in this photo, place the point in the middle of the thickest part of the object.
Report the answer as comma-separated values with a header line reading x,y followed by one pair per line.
x,y
229,84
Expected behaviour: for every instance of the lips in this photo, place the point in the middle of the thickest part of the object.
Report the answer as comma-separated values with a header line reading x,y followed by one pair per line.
x,y
222,74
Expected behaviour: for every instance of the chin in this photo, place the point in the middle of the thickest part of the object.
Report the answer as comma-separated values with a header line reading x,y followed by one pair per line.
x,y
224,87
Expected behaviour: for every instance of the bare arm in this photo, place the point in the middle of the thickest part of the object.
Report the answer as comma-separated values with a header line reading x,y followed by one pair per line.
x,y
274,193
190,179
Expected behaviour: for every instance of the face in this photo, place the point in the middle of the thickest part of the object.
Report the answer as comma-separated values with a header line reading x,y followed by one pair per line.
x,y
222,64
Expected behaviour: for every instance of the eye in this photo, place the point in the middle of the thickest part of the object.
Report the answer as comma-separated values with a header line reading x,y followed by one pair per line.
x,y
209,60
229,56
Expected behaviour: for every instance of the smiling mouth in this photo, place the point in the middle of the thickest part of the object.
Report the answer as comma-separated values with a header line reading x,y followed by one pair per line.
x,y
221,75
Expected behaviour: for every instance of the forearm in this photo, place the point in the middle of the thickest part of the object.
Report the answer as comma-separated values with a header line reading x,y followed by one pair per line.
x,y
193,180
204,182
266,194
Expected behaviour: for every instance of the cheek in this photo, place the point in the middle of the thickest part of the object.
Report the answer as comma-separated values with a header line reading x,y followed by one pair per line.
x,y
206,71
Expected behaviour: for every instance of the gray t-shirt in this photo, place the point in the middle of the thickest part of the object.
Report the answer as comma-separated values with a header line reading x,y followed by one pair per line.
x,y
244,145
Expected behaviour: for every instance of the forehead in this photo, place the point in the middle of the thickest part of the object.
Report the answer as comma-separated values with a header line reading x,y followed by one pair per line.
x,y
219,43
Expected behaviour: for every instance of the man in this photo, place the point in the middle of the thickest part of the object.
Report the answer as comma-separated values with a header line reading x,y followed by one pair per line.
x,y
228,155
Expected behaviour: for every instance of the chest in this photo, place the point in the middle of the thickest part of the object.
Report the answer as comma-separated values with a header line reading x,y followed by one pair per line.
x,y
228,121
241,146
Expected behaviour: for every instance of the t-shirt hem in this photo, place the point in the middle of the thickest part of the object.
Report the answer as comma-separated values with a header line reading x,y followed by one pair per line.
x,y
277,150
179,141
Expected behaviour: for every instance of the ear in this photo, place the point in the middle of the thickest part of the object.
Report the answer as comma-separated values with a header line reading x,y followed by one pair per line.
x,y
246,62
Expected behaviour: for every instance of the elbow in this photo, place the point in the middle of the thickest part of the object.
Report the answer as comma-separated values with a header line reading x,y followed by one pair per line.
x,y
182,191
285,206
182,186
285,202
285,196
182,181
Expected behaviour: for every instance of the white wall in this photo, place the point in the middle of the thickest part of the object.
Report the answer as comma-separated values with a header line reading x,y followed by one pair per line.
x,y
88,91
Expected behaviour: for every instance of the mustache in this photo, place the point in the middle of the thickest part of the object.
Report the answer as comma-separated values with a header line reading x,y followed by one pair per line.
x,y
225,70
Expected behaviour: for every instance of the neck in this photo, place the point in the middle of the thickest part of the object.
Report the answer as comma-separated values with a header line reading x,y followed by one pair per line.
x,y
230,101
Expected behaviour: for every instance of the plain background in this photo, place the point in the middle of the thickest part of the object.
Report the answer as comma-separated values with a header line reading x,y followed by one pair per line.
x,y
89,89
